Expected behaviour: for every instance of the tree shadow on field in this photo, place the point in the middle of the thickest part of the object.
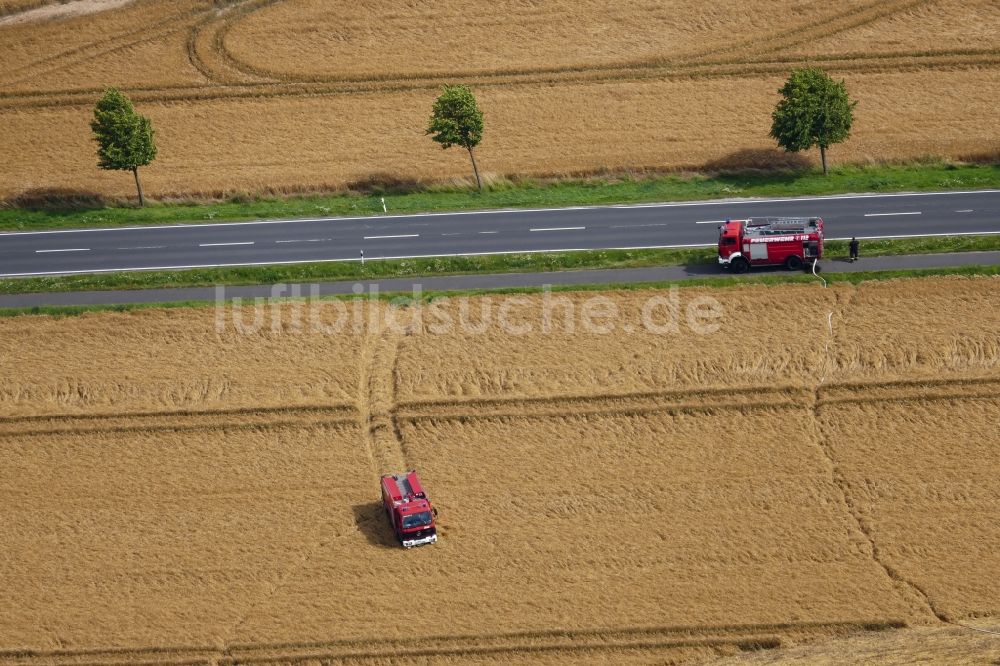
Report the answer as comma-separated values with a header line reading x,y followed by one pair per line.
x,y
759,159
986,157
372,522
380,183
58,199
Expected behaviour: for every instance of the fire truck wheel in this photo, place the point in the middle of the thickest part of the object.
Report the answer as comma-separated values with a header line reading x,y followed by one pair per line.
x,y
739,265
794,263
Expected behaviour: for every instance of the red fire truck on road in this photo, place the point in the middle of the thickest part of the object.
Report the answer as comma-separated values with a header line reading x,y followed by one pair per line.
x,y
770,241
409,511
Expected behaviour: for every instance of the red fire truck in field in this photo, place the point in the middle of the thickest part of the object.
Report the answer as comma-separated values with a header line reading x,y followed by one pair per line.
x,y
792,242
409,511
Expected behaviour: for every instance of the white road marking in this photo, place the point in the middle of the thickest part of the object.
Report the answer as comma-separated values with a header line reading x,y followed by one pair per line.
x,y
305,240
711,222
454,254
452,234
967,210
342,260
683,204
396,236
143,247
224,244
960,233
67,249
559,229
489,232
637,226
916,212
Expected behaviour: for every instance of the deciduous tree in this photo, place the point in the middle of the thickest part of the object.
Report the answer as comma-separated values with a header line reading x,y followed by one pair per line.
x,y
124,137
457,121
814,110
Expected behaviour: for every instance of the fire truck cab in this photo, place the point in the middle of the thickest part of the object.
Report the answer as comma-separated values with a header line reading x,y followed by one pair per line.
x,y
408,508
770,241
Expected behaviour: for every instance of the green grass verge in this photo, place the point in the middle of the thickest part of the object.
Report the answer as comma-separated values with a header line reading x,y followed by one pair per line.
x,y
353,270
717,282
498,263
527,193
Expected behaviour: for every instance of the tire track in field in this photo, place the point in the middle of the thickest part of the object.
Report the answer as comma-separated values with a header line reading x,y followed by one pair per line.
x,y
101,47
206,47
783,39
909,590
377,395
179,421
236,79
882,63
221,51
239,80
719,400
524,644
827,27
371,405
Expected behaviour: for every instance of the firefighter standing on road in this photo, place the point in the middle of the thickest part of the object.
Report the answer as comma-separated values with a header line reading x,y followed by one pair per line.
x,y
854,249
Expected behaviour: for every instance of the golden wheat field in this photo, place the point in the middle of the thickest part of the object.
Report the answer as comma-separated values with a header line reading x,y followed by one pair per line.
x,y
781,474
292,95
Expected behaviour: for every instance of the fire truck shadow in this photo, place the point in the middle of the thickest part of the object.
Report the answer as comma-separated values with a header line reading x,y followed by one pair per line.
x,y
372,523
714,270
700,268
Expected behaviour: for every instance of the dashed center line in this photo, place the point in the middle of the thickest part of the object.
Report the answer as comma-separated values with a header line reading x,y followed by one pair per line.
x,y
967,210
395,236
711,222
636,226
304,240
559,229
143,247
916,212
489,232
224,244
65,249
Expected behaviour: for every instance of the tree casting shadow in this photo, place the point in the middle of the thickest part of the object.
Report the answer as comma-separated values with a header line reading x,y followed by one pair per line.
x,y
58,199
760,159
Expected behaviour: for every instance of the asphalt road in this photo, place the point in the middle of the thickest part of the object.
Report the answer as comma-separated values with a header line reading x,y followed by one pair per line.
x,y
474,281
663,225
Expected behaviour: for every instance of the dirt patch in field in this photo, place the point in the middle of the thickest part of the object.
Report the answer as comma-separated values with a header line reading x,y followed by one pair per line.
x,y
61,10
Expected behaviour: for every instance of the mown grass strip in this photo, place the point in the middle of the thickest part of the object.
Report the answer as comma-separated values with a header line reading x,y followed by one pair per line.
x,y
500,263
69,210
725,281
402,299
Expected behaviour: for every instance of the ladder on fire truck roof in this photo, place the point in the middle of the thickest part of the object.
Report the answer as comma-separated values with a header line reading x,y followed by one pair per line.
x,y
779,226
782,221
406,490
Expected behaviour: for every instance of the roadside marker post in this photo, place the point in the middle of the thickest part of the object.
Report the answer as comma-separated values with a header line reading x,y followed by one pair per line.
x,y
384,209
362,257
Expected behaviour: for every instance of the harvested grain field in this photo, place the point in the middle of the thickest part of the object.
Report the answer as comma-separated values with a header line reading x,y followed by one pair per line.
x,y
725,488
299,94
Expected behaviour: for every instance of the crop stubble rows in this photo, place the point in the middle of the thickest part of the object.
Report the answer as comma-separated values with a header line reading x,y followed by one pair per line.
x,y
634,85
729,502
